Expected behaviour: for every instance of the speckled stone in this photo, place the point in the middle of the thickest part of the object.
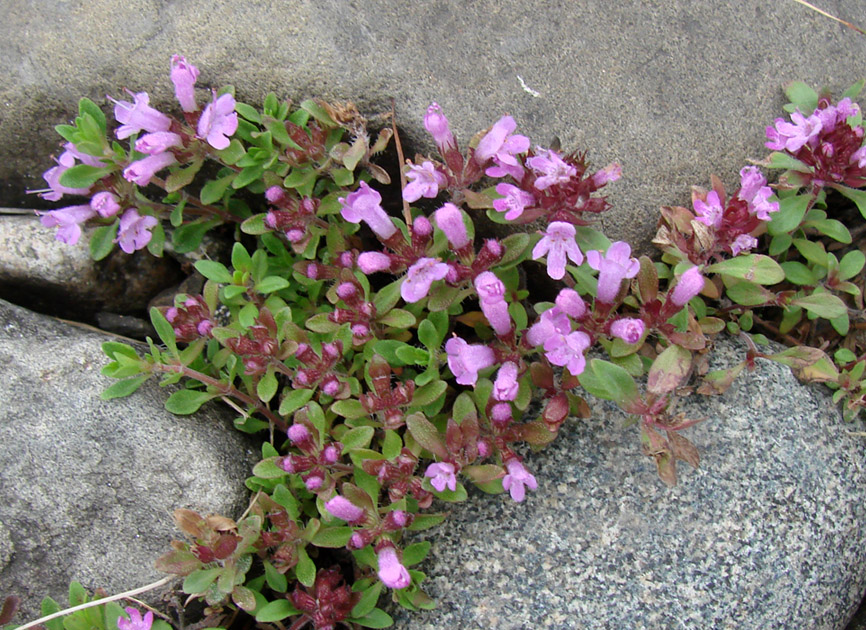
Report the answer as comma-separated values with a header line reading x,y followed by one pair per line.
x,y
89,486
768,533
672,90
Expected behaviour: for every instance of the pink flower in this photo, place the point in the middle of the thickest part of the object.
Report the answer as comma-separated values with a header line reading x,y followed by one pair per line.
x,y
552,169
609,173
218,121
500,145
342,508
371,262
517,480
184,76
491,294
792,136
420,276
615,266
391,572
134,232
571,303
552,322
157,142
690,285
505,386
629,329
742,243
710,211
425,182
105,204
437,126
52,178
143,170
365,204
465,361
514,200
84,158
567,351
441,474
69,221
449,219
138,116
557,243
755,192
135,621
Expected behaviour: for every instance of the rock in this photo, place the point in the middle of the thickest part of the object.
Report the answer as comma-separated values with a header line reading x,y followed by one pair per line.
x,y
768,533
89,486
674,91
41,273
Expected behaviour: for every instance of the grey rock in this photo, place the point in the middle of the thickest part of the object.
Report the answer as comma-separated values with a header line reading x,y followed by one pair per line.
x,y
40,272
768,533
674,91
89,486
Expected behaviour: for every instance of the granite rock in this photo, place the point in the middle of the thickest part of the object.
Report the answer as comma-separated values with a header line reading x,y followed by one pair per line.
x,y
89,486
768,533
674,91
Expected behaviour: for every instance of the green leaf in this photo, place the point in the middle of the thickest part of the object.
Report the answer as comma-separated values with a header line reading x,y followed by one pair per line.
x,y
811,251
318,112
377,618
780,244
387,296
350,408
332,537
276,611
416,552
199,581
163,329
102,241
854,91
391,445
186,401
410,355
777,159
213,270
248,112
86,107
180,177
295,400
83,175
397,318
123,388
610,382
188,237
267,386
797,357
851,264
832,228
428,394
754,267
668,370
798,273
343,177
425,521
368,600
271,284
214,190
857,196
515,246
790,214
426,435
802,96
824,305
359,437
428,335
305,570
285,498
276,581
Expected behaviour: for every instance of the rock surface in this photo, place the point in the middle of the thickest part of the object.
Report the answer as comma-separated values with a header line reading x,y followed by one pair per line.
x,y
674,91
768,533
89,486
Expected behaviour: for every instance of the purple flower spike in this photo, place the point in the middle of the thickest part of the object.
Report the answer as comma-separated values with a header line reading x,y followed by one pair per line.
x,y
441,474
629,329
567,351
365,204
157,142
135,621
690,285
184,75
425,182
138,116
710,211
613,268
437,126
551,168
491,294
514,200
142,171
218,121
558,243
391,572
505,387
517,480
420,276
500,145
553,322
371,262
68,220
344,509
449,219
105,204
466,360
134,232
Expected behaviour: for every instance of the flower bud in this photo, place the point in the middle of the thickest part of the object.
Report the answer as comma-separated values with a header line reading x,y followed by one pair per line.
x,y
371,262
331,387
331,454
346,291
690,285
391,572
295,235
421,226
570,302
298,433
628,329
449,219
344,509
275,194
437,126
314,482
500,413
105,204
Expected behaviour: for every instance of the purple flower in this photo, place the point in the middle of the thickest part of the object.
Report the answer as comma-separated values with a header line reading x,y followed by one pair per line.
x,y
690,285
135,621
567,351
90,160
551,168
517,480
68,220
449,219
105,204
742,243
792,136
391,572
710,211
629,329
552,322
134,232
143,170
505,386
501,146
138,116
466,360
184,76
371,262
609,173
616,265
426,181
218,121
365,204
420,276
52,178
491,294
437,126
441,474
344,509
558,242
571,303
157,142
513,202
755,192
859,157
